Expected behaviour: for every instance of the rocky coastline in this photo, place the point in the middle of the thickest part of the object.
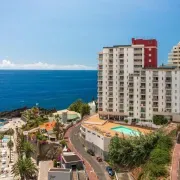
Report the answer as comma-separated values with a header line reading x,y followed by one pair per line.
x,y
17,112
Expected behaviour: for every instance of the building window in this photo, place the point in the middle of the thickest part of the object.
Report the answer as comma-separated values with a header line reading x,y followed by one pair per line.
x,y
175,104
149,49
175,85
175,91
149,60
175,110
89,131
175,97
149,55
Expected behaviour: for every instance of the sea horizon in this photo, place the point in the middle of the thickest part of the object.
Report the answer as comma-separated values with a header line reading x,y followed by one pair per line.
x,y
49,88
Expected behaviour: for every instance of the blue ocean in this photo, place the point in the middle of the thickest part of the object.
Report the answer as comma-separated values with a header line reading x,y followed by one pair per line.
x,y
50,89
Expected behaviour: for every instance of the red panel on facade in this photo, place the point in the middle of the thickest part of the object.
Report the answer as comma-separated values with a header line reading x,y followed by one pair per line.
x,y
150,51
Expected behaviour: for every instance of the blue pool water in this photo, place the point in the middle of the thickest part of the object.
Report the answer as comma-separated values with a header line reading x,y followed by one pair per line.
x,y
5,139
126,131
51,89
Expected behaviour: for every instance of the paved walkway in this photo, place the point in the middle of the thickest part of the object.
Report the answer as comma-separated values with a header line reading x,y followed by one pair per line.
x,y
175,163
75,145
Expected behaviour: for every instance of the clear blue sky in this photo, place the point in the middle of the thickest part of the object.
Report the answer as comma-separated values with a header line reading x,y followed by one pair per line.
x,y
74,31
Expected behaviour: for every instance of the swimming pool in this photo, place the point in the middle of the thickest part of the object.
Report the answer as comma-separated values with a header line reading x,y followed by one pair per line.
x,y
5,139
126,131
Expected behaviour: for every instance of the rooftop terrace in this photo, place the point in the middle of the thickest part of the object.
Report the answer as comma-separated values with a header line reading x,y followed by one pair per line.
x,y
104,127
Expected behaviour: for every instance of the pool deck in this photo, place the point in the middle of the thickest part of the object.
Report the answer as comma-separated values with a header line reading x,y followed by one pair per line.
x,y
104,127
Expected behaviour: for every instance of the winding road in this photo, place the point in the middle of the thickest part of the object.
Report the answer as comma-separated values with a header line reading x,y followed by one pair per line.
x,y
74,137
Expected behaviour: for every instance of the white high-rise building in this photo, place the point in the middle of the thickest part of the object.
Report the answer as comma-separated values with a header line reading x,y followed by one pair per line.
x,y
174,56
129,88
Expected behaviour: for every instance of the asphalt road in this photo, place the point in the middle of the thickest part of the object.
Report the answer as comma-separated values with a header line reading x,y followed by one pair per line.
x,y
74,136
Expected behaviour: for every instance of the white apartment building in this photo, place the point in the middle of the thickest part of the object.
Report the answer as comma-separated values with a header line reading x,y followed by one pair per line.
x,y
174,56
127,89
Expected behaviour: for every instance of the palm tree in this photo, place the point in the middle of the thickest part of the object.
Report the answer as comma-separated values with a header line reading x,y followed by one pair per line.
x,y
20,142
1,137
25,168
28,149
10,145
58,129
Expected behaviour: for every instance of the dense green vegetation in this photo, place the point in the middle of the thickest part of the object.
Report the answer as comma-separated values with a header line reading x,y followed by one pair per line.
x,y
34,117
10,145
131,152
152,152
159,120
58,129
80,107
159,158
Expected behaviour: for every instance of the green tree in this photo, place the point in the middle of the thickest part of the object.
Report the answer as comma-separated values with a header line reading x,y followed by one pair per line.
x,y
25,168
10,132
80,107
19,144
10,145
76,106
159,120
85,109
58,129
1,138
28,149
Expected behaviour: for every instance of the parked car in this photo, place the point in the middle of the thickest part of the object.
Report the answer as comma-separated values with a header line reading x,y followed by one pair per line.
x,y
110,171
91,152
99,159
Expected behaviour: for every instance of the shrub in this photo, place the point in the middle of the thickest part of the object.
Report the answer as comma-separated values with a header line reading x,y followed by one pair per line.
x,y
159,120
126,121
63,143
160,156
157,170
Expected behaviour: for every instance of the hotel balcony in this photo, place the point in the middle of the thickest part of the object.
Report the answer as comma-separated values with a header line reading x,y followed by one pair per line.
x,y
110,100
121,79
100,67
121,67
110,95
168,93
110,51
110,78
110,73
155,79
155,73
155,86
168,86
121,62
143,73
121,84
131,91
155,98
131,97
168,79
155,109
121,101
155,104
168,74
121,55
100,78
110,67
155,92
110,84
143,86
143,98
121,89
121,72
100,94
143,92
100,89
110,62
143,79
131,109
130,85
143,115
168,99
